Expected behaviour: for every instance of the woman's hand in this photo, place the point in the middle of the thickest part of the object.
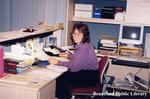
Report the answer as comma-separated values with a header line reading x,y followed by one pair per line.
x,y
52,61
65,55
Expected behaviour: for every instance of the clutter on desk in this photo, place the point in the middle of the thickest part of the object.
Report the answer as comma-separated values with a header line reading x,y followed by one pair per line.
x,y
17,63
29,30
40,63
17,48
16,66
122,83
53,50
137,82
29,46
107,45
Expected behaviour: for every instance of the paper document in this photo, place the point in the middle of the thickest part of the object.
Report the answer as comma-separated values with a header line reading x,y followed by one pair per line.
x,y
57,68
17,79
43,75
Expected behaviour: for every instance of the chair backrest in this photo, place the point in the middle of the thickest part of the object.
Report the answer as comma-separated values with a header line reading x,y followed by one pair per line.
x,y
103,67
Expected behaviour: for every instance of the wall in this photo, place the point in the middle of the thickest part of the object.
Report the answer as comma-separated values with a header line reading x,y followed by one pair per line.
x,y
17,14
140,9
2,18
4,15
61,17
29,12
98,29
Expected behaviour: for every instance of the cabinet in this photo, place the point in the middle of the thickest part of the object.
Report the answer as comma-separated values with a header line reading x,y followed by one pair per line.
x,y
45,91
130,10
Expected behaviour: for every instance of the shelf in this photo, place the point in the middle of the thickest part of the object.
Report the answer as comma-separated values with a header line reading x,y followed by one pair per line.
x,y
12,35
107,21
97,20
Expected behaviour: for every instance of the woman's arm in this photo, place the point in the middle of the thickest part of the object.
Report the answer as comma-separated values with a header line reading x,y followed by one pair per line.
x,y
65,55
78,61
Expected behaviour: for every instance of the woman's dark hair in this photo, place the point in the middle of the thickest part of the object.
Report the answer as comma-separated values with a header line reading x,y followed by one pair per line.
x,y
82,28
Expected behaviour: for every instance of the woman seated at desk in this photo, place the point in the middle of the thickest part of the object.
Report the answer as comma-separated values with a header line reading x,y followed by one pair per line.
x,y
82,65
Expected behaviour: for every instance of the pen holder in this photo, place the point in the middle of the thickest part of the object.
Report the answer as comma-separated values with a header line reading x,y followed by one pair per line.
x,y
1,62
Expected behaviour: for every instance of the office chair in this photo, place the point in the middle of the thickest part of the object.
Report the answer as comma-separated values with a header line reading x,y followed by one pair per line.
x,y
99,87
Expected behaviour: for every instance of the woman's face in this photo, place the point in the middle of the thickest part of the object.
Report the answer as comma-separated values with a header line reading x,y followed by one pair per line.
x,y
77,36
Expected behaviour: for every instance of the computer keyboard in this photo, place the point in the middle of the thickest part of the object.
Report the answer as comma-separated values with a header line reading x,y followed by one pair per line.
x,y
130,63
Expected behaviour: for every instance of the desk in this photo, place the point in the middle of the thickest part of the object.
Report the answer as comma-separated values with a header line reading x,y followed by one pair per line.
x,y
121,71
41,90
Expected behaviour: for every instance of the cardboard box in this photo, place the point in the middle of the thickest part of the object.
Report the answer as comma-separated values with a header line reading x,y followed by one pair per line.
x,y
87,14
84,7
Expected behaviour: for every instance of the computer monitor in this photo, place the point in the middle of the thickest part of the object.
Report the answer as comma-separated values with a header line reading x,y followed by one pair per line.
x,y
131,34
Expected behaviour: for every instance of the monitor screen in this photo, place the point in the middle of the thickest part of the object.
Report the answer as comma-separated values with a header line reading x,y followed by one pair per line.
x,y
131,34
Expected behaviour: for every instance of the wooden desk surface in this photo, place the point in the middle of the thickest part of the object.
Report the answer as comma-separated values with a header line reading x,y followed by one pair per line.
x,y
12,35
40,84
130,48
138,59
41,77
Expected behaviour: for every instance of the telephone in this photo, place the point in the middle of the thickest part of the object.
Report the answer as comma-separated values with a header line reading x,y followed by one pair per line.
x,y
53,50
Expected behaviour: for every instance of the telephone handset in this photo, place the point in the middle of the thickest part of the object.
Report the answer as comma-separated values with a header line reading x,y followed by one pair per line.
x,y
58,48
53,50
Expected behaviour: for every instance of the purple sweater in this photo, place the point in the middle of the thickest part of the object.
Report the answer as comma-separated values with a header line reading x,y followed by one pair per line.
x,y
84,58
